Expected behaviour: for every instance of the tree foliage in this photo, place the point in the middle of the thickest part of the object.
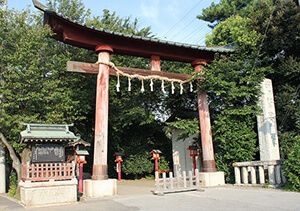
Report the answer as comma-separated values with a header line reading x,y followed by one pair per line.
x,y
36,88
272,30
234,31
233,84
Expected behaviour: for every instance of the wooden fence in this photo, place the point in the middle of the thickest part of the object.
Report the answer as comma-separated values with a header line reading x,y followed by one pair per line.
x,y
180,183
48,171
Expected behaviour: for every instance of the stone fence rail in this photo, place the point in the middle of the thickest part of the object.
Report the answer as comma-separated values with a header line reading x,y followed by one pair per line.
x,y
172,184
259,173
48,171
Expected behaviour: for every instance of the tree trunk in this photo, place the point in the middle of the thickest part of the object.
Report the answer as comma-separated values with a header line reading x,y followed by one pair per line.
x,y
16,161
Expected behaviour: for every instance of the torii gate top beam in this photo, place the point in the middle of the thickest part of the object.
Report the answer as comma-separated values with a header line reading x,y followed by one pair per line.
x,y
84,37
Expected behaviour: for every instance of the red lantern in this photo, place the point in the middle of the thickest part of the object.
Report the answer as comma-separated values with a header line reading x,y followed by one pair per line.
x,y
119,161
194,153
155,156
81,160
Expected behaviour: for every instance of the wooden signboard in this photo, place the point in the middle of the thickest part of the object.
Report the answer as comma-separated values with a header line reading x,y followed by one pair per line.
x,y
48,153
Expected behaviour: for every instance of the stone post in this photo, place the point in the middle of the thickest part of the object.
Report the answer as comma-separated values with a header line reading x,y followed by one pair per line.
x,y
101,114
266,123
237,174
209,164
278,174
253,175
245,175
261,173
2,171
271,174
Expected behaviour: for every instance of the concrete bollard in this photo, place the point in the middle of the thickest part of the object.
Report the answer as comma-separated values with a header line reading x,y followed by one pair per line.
x,y
237,175
261,172
171,180
197,178
164,180
184,179
253,175
2,171
157,180
271,174
278,174
245,175
178,180
190,179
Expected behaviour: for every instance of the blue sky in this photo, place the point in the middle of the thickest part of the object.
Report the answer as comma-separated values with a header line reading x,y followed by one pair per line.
x,y
173,20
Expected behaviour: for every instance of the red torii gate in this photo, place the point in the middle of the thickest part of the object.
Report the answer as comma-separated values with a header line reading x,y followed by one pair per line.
x,y
105,43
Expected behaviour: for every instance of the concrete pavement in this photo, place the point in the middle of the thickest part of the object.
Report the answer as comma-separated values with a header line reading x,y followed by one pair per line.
x,y
8,204
137,196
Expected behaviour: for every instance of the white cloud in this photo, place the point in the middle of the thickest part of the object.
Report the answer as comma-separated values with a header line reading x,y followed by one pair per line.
x,y
150,8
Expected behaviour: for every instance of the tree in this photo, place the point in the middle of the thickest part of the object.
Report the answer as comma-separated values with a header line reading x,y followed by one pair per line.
x,y
277,46
233,84
36,88
235,31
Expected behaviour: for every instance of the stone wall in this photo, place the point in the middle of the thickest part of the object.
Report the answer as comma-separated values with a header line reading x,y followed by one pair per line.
x,y
48,193
181,157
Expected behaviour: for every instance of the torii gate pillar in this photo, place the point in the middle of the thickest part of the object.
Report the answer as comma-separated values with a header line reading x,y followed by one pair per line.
x,y
100,185
101,114
209,164
210,176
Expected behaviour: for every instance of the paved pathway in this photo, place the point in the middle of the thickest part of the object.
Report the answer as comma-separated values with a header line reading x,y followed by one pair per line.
x,y
136,196
8,204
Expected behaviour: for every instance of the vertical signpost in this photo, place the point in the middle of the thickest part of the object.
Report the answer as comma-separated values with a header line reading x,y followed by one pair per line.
x,y
155,156
119,161
194,153
2,171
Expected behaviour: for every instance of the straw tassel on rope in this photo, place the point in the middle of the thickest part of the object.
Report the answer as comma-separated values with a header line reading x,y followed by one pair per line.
x,y
129,84
118,83
142,88
148,77
172,87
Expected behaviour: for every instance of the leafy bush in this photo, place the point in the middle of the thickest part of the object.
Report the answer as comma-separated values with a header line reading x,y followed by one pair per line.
x,y
234,86
138,165
235,141
291,165
163,164
13,184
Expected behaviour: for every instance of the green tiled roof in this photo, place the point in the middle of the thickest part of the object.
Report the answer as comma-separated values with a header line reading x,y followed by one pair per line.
x,y
47,133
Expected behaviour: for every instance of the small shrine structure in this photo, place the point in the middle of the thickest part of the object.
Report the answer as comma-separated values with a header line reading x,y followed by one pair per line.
x,y
48,165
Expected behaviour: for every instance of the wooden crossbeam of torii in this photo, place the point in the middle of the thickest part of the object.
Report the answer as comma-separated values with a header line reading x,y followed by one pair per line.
x,y
82,67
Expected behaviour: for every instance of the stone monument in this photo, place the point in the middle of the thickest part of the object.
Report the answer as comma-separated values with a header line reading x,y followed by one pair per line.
x,y
266,123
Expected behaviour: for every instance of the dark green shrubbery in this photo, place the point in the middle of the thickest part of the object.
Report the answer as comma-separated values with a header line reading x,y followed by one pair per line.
x,y
13,184
137,166
291,164
140,165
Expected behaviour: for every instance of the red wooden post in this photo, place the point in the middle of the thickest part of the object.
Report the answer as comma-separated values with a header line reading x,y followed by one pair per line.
x,y
119,170
80,185
155,63
209,164
101,114
119,161
194,164
156,164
